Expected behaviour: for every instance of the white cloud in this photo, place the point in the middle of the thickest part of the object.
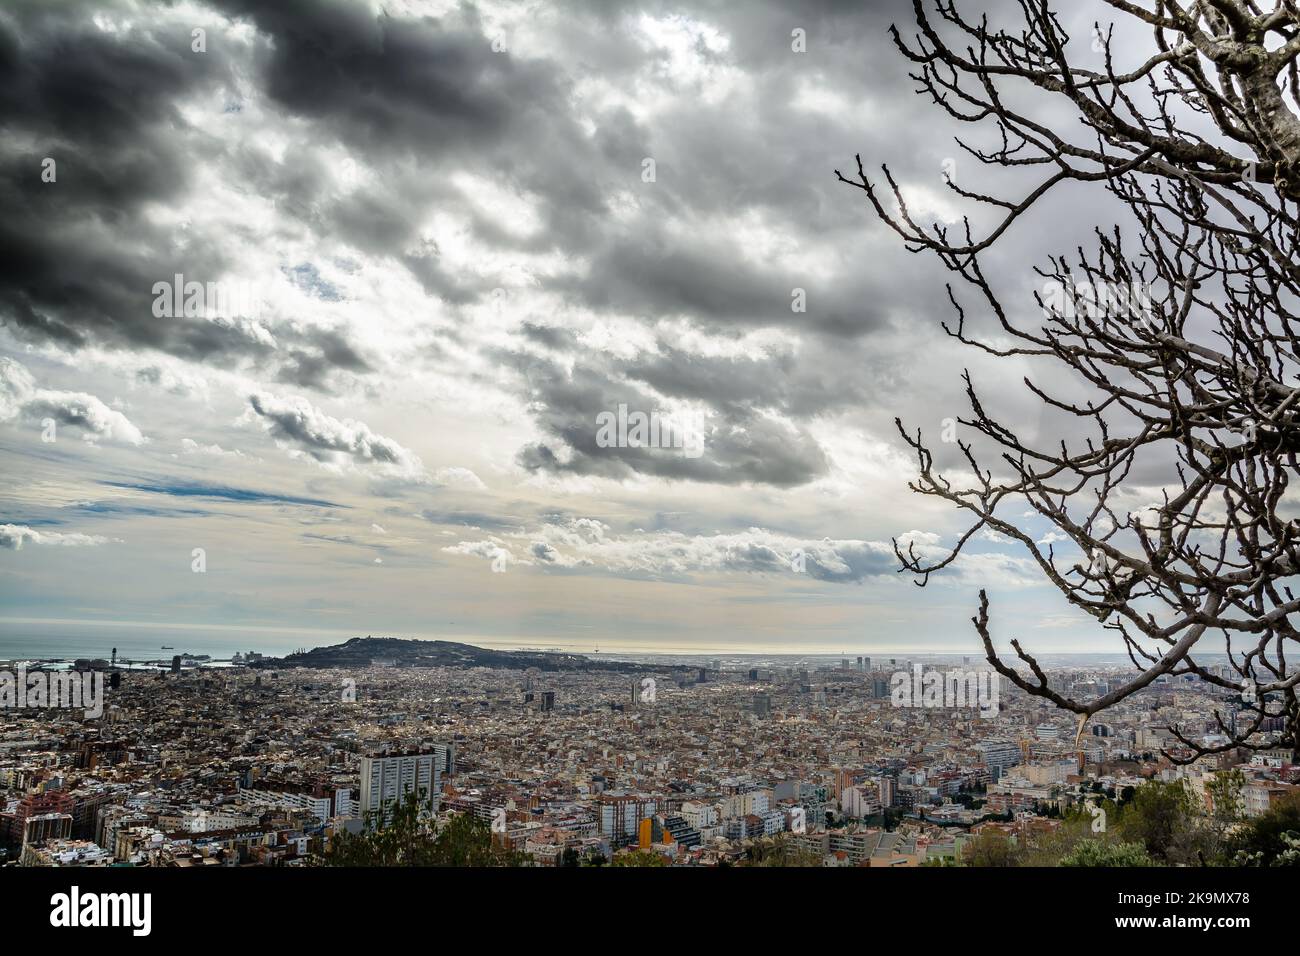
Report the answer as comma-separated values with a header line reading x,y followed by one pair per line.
x,y
459,477
21,399
190,447
297,424
13,536
586,542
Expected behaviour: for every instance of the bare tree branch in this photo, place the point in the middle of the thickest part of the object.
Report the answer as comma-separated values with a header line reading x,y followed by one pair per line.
x,y
1188,333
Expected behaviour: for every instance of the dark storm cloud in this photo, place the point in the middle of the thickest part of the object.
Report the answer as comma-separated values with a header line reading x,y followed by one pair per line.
x,y
712,282
421,83
738,445
103,106
435,89
316,354
782,382
737,389
430,90
745,189
79,256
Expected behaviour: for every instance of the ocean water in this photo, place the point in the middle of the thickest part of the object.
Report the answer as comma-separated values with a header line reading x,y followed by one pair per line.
x,y
68,640
59,641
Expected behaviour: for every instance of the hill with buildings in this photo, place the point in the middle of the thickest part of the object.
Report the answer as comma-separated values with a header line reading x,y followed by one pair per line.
x,y
403,652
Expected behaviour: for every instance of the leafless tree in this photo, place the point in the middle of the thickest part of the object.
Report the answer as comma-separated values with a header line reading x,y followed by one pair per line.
x,y
1182,322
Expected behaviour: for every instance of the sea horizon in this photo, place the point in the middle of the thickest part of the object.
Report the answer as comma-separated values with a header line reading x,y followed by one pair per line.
x,y
30,639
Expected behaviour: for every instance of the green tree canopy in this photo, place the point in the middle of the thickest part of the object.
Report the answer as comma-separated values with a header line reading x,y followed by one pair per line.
x,y
1101,853
410,838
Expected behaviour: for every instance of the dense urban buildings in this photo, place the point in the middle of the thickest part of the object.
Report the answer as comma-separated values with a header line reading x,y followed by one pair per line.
x,y
224,764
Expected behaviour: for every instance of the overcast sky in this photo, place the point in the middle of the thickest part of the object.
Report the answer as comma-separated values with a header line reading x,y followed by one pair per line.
x,y
457,234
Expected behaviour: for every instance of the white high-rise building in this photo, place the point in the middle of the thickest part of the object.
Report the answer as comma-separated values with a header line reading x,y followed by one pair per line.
x,y
389,776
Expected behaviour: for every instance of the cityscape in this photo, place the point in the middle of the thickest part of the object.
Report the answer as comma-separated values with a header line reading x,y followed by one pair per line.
x,y
834,763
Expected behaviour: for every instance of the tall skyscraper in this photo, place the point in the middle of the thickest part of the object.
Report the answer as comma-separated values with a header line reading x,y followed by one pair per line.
x,y
762,705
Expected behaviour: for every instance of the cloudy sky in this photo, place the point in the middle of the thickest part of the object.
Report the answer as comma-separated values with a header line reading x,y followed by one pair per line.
x,y
449,237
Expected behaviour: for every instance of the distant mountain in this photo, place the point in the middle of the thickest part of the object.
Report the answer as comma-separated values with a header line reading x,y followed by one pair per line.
x,y
363,651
